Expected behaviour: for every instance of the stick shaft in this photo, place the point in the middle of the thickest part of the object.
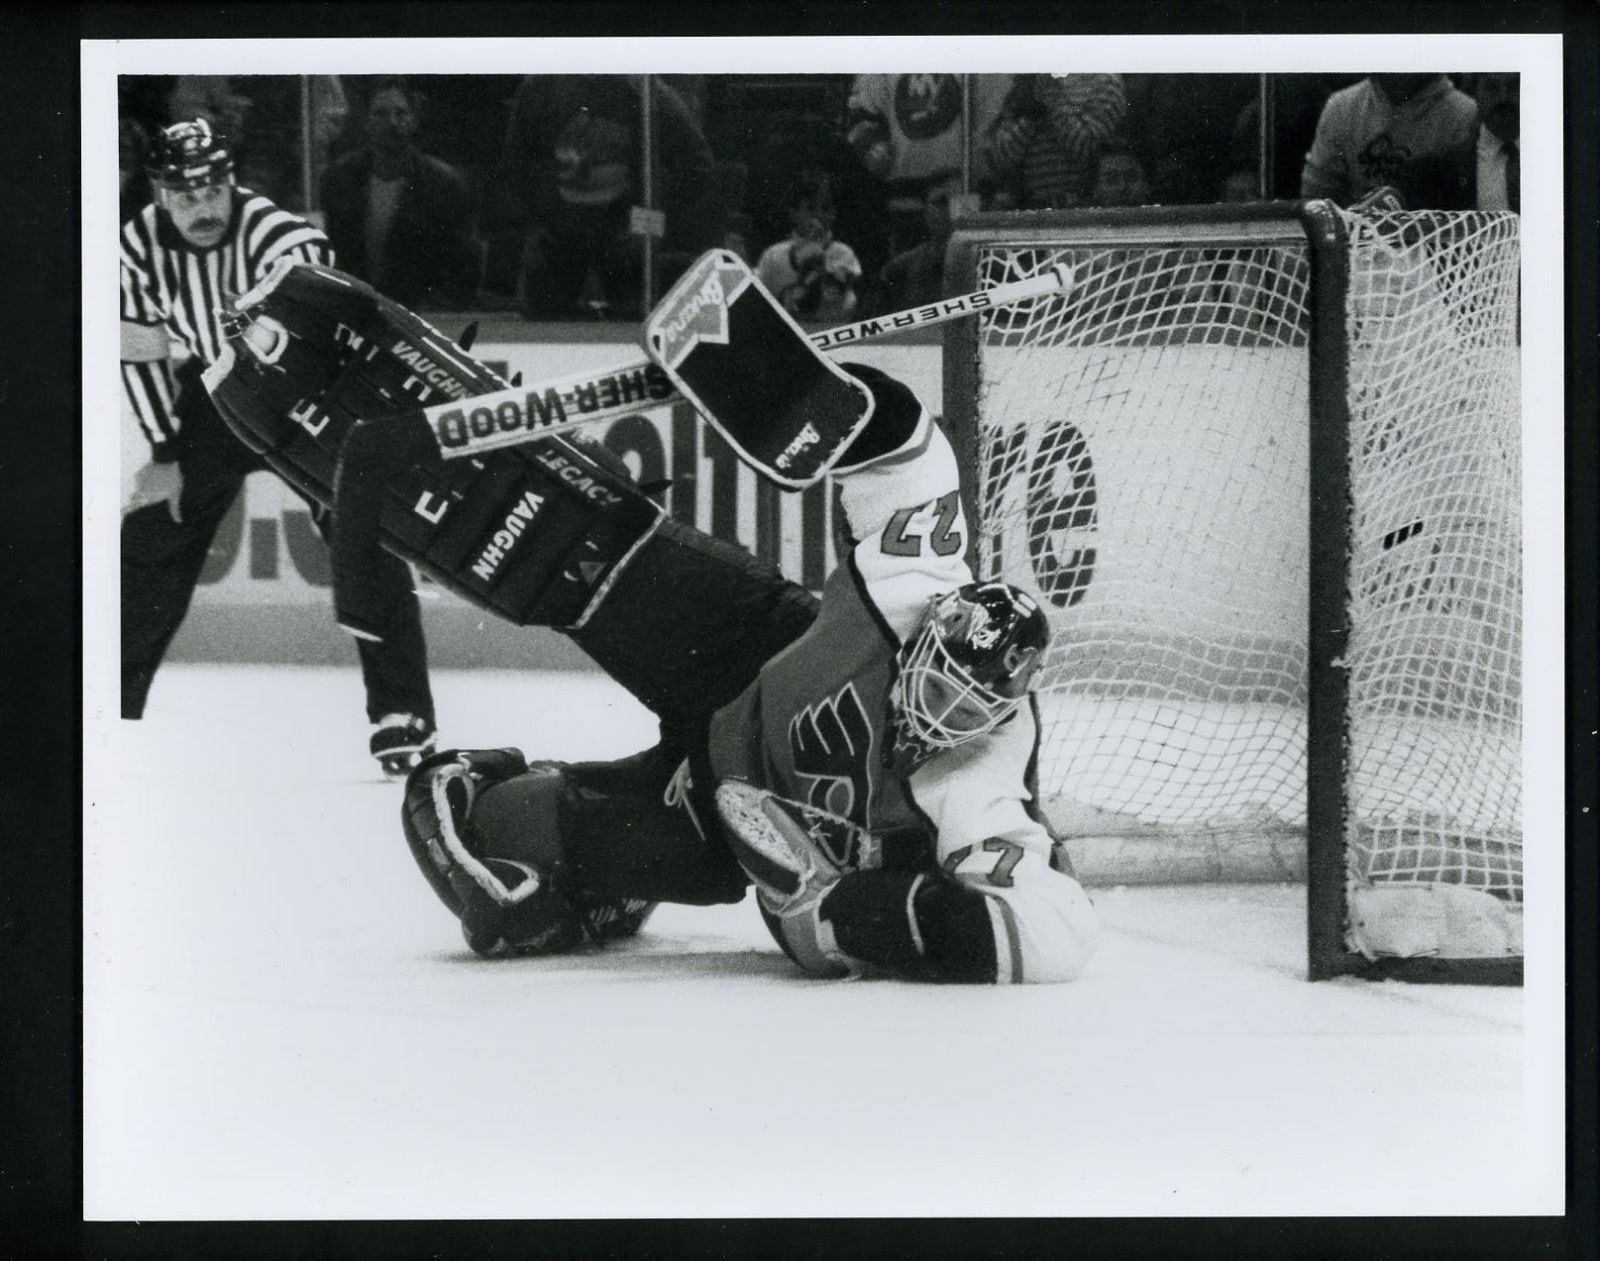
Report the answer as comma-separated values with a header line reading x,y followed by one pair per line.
x,y
1055,280
522,413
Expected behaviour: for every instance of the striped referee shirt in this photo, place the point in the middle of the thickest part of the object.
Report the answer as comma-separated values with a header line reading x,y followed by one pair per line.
x,y
168,283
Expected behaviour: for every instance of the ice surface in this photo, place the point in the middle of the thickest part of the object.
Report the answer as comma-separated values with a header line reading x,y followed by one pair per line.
x,y
282,1022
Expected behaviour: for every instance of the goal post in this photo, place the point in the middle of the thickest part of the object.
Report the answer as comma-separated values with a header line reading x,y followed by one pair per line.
x,y
1262,467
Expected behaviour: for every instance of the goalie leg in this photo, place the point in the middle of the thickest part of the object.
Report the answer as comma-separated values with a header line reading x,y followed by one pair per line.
x,y
688,626
622,832
509,903
539,859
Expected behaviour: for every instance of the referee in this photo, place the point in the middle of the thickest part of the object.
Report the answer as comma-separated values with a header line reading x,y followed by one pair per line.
x,y
202,243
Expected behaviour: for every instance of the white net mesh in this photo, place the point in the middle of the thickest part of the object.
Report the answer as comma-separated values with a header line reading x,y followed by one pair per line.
x,y
1142,466
1435,650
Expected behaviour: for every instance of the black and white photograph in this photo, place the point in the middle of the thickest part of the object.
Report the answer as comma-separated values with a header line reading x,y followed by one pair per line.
x,y
836,627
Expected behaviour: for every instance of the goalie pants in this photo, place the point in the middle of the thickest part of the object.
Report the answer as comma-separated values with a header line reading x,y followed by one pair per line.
x,y
689,625
686,629
162,560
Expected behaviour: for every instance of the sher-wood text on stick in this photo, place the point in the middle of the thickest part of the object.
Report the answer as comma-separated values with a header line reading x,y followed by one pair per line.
x,y
522,413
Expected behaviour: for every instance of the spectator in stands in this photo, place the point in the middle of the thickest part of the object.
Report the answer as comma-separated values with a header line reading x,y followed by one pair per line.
x,y
1496,170
213,98
916,276
400,218
1119,179
1239,185
1297,101
1399,130
262,118
772,145
814,276
1180,127
133,185
1046,142
572,165
739,236
906,130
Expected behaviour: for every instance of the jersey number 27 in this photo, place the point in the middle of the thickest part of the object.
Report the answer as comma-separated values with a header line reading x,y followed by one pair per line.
x,y
904,534
1010,855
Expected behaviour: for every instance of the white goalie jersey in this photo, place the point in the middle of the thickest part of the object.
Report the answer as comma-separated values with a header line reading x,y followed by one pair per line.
x,y
817,726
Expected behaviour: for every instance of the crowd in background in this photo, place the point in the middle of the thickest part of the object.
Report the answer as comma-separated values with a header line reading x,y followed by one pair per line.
x,y
531,195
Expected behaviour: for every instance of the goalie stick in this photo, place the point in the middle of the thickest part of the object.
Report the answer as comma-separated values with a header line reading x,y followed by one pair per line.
x,y
522,413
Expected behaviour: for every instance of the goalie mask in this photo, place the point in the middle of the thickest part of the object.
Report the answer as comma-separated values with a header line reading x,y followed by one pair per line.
x,y
968,666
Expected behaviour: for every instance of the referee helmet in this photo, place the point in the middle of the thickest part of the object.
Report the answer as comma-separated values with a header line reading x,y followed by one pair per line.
x,y
189,155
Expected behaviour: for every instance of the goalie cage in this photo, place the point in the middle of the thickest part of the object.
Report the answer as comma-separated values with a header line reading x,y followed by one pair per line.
x,y
1262,467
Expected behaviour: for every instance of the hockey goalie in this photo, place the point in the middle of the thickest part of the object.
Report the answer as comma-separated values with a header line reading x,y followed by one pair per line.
x,y
874,780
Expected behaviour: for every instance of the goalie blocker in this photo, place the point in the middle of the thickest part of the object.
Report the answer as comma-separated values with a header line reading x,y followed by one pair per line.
x,y
740,358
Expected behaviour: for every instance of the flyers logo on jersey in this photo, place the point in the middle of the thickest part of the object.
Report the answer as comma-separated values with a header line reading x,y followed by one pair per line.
x,y
849,847
831,744
697,308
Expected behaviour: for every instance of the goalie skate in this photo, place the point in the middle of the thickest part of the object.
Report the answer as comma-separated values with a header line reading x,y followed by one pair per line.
x,y
740,358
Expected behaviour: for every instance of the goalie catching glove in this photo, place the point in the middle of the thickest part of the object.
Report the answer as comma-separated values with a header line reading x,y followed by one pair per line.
x,y
324,377
508,904
796,854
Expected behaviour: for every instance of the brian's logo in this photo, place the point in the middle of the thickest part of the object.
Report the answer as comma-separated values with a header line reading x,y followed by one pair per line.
x,y
697,310
807,437
505,538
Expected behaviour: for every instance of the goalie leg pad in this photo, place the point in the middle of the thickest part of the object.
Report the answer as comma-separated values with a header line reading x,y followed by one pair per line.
x,y
439,797
537,535
503,902
546,542
539,818
314,352
605,836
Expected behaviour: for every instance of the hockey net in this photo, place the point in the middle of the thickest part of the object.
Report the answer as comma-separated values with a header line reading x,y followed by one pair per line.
x,y
1140,459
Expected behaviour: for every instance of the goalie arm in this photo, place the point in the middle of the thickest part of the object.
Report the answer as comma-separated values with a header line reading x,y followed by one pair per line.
x,y
997,911
991,843
1038,928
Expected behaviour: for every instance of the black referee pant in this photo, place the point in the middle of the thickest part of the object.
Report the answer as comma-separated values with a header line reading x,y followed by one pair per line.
x,y
162,560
